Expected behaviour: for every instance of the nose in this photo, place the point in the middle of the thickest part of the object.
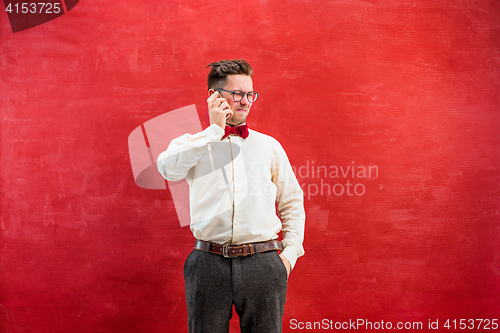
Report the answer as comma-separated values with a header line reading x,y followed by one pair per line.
x,y
244,101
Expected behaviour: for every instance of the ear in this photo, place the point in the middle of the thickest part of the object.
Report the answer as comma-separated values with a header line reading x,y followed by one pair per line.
x,y
210,92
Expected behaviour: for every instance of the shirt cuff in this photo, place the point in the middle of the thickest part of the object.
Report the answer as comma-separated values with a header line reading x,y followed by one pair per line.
x,y
213,133
290,253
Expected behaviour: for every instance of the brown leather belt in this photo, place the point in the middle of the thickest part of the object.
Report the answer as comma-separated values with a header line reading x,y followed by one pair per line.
x,y
233,251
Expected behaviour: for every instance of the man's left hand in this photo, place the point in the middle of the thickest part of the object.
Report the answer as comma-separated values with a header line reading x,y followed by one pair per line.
x,y
287,265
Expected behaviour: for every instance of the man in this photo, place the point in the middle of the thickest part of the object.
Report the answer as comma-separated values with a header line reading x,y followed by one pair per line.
x,y
238,179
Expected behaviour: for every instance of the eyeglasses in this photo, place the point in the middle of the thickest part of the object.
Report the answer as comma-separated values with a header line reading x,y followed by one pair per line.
x,y
238,95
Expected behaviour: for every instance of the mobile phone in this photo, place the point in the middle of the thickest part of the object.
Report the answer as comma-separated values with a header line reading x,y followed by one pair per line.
x,y
213,95
216,93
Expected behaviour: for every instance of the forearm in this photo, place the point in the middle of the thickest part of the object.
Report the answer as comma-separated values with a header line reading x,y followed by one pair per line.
x,y
293,222
290,209
185,151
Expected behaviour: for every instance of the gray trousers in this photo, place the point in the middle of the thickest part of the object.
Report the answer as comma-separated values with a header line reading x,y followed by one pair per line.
x,y
255,285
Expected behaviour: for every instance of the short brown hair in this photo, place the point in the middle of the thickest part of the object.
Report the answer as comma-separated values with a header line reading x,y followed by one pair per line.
x,y
217,78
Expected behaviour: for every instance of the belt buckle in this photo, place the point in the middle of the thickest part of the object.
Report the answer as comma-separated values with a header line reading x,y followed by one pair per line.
x,y
224,252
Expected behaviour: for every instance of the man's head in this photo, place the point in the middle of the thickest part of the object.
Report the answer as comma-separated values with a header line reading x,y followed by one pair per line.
x,y
219,71
232,75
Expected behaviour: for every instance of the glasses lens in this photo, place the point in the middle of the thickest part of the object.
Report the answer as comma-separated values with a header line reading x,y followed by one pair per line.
x,y
252,96
238,95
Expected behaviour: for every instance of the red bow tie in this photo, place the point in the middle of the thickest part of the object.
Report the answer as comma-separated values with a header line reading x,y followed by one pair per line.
x,y
241,130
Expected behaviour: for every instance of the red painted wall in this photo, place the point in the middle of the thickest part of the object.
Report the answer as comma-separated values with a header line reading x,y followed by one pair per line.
x,y
406,89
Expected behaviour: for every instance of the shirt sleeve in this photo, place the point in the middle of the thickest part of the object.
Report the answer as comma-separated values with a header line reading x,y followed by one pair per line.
x,y
290,199
184,152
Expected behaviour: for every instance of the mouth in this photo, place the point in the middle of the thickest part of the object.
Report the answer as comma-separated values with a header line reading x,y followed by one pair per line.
x,y
241,110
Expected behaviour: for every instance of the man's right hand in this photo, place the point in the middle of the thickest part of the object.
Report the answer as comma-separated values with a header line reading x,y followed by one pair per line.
x,y
218,110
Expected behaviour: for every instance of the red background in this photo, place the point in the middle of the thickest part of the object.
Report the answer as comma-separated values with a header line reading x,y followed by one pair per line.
x,y
411,87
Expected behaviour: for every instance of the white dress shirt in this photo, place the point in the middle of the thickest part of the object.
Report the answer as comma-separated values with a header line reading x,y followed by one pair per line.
x,y
238,187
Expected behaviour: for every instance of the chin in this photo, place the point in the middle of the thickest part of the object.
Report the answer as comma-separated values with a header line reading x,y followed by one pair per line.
x,y
236,122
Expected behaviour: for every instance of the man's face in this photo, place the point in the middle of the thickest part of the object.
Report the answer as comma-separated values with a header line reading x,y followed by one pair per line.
x,y
242,108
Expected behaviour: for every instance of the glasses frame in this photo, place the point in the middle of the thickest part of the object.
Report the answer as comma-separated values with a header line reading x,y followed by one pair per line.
x,y
245,94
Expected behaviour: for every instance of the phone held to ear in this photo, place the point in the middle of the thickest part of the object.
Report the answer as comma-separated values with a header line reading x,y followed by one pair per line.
x,y
216,94
213,95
